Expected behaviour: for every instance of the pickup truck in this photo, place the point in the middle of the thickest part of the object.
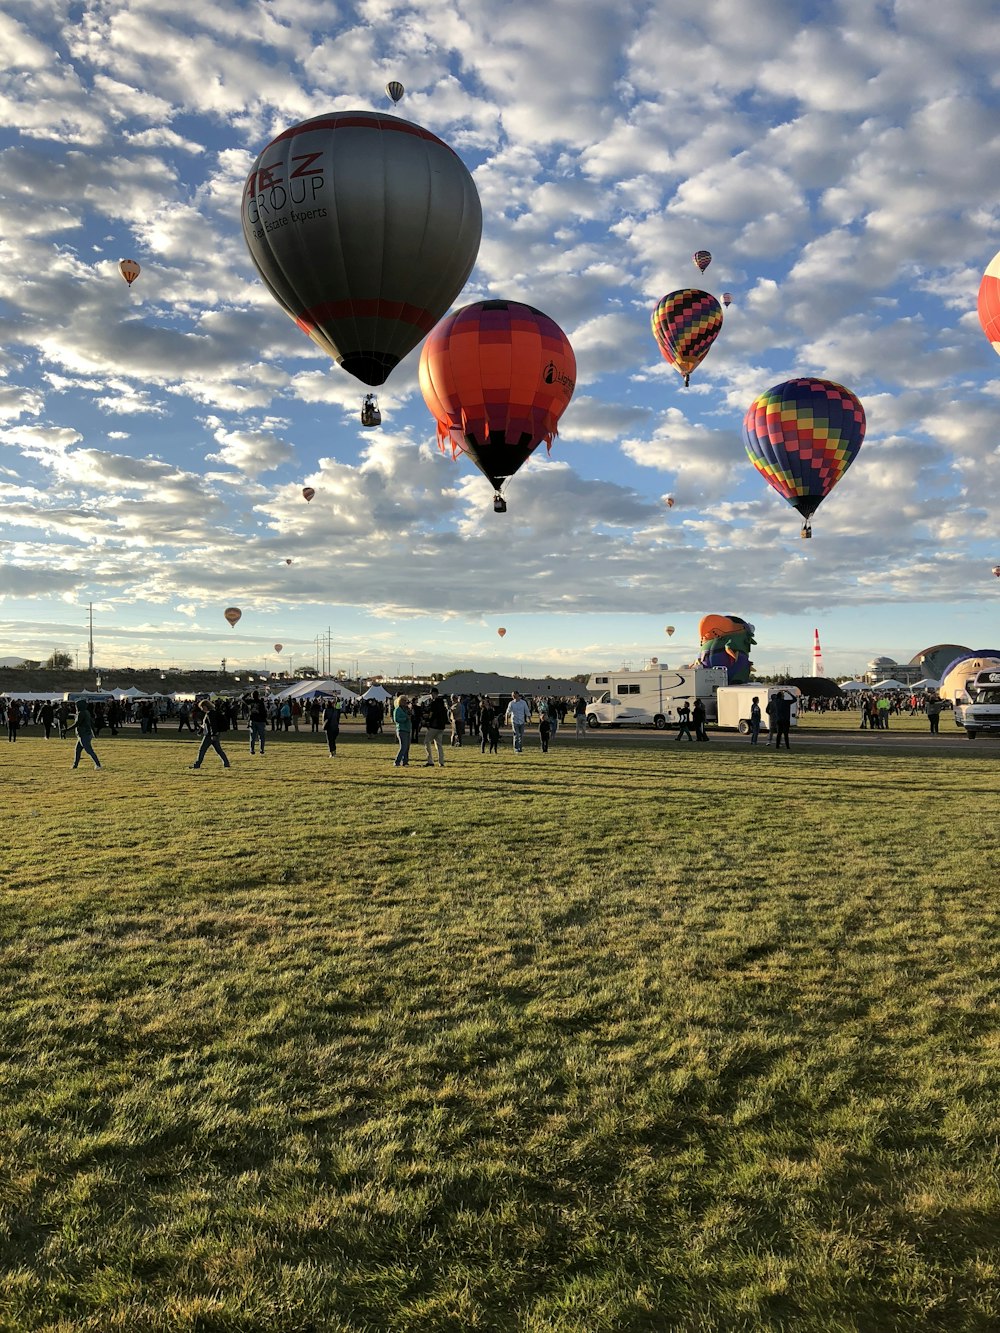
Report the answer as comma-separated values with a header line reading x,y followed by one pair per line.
x,y
977,709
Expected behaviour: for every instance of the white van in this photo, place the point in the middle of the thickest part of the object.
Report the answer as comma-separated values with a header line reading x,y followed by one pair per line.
x,y
651,697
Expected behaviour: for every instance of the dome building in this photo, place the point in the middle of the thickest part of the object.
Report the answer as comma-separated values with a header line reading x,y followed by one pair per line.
x,y
932,661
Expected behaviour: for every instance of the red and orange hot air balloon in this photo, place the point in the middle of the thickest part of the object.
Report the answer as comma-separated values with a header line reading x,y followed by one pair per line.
x,y
497,376
989,302
129,270
501,631
307,493
233,614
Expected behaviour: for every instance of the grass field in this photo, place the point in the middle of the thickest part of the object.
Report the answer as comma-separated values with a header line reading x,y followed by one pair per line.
x,y
629,1036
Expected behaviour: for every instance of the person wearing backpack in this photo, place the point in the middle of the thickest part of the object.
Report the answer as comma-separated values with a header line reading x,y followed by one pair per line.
x,y
212,728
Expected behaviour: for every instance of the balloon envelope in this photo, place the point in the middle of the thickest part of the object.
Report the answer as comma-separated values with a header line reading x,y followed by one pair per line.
x,y
802,436
685,325
670,630
497,376
364,228
702,259
307,493
278,647
996,571
129,270
989,302
501,632
232,614
727,299
395,89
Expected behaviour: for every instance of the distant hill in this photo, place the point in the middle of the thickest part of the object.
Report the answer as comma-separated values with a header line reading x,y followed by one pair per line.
x,y
10,661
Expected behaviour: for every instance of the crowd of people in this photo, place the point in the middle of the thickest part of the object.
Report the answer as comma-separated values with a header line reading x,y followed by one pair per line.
x,y
438,719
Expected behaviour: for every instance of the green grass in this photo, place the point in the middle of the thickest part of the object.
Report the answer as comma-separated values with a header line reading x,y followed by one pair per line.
x,y
629,1036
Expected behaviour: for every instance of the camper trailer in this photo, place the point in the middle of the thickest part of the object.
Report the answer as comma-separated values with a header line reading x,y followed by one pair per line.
x,y
651,697
733,703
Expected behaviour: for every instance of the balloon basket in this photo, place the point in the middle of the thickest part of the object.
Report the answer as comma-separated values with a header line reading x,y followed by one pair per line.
x,y
499,504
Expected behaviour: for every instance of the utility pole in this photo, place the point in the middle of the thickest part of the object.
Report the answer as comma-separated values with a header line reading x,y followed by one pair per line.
x,y
90,653
223,666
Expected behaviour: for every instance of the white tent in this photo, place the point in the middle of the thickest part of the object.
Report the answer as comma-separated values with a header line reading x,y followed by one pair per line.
x,y
377,692
927,684
890,685
133,692
852,685
311,689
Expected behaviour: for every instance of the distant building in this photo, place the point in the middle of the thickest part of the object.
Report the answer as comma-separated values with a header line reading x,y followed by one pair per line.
x,y
934,661
884,668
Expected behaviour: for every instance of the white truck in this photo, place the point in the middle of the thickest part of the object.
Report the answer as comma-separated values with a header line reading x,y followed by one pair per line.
x,y
977,707
651,697
733,704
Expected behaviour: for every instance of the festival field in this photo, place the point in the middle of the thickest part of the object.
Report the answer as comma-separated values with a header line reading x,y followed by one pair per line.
x,y
629,1036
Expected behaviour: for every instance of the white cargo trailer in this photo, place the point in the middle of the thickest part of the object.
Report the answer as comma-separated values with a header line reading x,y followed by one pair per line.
x,y
651,697
733,704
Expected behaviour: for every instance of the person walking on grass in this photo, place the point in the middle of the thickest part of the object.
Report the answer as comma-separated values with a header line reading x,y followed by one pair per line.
x,y
437,722
699,717
257,721
580,716
781,718
84,727
517,715
933,708
331,724
404,729
755,719
684,721
211,729
544,729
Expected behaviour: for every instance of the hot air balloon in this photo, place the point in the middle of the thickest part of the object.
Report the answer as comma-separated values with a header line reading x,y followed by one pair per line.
x,y
670,501
232,614
702,259
670,631
288,562
307,493
364,228
685,324
802,436
497,376
727,299
278,647
996,571
129,270
989,302
395,90
501,631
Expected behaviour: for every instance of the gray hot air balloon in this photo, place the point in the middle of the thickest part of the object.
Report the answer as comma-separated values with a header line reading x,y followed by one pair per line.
x,y
395,90
364,228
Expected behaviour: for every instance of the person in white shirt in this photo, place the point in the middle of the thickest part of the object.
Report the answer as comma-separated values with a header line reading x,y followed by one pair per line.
x,y
517,715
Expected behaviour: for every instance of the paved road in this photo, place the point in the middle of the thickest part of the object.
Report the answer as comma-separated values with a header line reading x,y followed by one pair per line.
x,y
948,739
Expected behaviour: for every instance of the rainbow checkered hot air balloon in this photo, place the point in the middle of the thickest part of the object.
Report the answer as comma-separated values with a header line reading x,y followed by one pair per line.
x,y
685,324
802,436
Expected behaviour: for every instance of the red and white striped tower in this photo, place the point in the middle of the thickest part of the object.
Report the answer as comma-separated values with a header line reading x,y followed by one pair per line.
x,y
817,655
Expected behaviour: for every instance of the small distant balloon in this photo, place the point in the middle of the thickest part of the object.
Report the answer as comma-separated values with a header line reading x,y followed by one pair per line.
x,y
727,299
670,502
702,259
395,90
307,493
670,630
288,562
501,631
996,571
278,647
129,270
233,614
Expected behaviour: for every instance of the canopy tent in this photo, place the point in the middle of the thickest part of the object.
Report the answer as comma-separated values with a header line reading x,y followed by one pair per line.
x,y
890,685
377,692
315,689
133,692
852,685
33,696
927,684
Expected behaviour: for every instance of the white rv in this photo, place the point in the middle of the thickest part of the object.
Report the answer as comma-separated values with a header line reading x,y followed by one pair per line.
x,y
733,702
651,697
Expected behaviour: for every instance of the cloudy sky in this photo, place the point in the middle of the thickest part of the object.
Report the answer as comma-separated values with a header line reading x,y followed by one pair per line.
x,y
840,161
